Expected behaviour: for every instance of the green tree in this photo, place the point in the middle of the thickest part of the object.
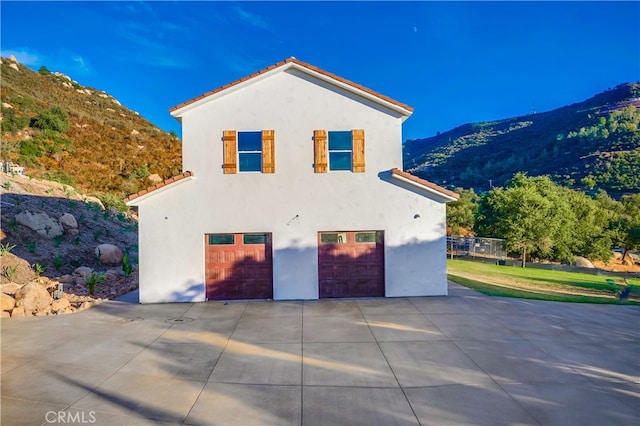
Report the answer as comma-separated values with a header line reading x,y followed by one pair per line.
x,y
461,213
626,226
43,70
520,215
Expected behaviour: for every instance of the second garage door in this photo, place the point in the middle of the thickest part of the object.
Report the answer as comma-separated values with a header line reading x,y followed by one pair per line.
x,y
351,264
238,266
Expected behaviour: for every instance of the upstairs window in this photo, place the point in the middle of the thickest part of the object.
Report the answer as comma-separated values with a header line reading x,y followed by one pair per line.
x,y
339,150
252,151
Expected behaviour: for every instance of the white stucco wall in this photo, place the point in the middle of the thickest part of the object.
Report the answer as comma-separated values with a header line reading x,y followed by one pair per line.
x,y
173,222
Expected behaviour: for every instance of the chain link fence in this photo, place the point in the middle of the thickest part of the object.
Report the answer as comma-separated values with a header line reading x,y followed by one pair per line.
x,y
489,248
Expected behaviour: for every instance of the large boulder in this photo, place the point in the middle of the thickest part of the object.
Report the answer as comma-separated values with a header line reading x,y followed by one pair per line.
x,y
582,262
68,221
33,297
109,254
41,223
7,302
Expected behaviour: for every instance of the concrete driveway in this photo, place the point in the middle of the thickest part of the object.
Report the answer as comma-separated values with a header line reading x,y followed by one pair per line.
x,y
461,359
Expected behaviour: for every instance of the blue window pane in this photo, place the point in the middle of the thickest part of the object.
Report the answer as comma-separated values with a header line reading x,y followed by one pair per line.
x,y
250,162
249,141
217,239
340,140
340,160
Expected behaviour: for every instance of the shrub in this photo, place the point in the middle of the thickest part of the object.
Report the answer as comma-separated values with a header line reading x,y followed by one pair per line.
x,y
53,118
113,200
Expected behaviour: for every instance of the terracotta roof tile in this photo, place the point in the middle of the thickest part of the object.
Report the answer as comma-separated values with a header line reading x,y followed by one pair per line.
x,y
159,185
302,64
424,182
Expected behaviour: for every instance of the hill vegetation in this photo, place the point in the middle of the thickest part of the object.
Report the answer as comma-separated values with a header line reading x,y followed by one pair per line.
x,y
79,136
589,145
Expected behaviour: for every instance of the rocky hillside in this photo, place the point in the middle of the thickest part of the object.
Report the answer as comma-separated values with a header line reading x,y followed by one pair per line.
x,y
590,145
80,136
51,234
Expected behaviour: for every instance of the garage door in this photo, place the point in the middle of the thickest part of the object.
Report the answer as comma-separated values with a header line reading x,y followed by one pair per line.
x,y
238,266
351,264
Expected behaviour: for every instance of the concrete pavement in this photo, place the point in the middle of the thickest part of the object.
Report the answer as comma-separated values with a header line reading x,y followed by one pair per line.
x,y
461,359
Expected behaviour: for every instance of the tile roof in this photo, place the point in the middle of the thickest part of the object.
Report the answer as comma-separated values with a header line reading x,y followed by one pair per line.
x,y
425,183
302,64
158,186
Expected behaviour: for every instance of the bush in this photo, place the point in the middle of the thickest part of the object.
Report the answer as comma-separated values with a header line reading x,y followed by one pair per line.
x,y
53,118
113,200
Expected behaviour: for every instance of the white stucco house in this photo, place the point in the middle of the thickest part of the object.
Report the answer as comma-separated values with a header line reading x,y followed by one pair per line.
x,y
292,189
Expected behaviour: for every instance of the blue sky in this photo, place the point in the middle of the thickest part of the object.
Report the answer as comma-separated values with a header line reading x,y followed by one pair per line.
x,y
454,62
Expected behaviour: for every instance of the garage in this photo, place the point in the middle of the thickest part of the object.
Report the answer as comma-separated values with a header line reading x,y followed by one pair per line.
x,y
238,266
351,264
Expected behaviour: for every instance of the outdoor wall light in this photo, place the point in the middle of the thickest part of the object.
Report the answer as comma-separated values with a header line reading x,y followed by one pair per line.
x,y
292,219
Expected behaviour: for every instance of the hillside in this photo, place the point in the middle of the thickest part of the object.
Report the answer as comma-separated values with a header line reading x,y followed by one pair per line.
x,y
590,145
80,136
50,234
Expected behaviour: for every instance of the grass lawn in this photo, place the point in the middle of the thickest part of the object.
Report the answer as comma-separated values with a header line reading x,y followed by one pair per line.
x,y
531,283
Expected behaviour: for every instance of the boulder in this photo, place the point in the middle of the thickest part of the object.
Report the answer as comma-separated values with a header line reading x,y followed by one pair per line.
x,y
5,314
83,271
93,200
154,179
41,223
18,311
582,262
33,296
10,288
66,279
109,254
7,303
68,221
60,305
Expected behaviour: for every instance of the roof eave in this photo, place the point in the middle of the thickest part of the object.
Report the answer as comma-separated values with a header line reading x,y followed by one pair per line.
x,y
446,197
140,197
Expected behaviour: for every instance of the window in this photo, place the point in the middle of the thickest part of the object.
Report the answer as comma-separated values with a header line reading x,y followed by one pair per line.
x,y
339,150
249,151
255,238
367,237
220,239
333,237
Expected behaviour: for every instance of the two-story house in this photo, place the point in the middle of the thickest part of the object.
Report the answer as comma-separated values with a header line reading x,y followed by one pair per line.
x,y
292,189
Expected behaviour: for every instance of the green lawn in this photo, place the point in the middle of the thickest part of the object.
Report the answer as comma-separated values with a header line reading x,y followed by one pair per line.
x,y
531,283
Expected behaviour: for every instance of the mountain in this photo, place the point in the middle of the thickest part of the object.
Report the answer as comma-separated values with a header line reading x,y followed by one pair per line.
x,y
61,130
589,145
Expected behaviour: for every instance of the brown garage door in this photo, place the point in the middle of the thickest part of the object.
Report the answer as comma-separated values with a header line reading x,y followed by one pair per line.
x,y
351,264
238,266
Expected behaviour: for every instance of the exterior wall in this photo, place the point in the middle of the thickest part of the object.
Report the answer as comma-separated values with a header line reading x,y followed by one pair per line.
x,y
294,203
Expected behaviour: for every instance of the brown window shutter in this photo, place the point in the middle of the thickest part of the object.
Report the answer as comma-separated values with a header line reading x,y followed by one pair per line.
x,y
268,151
321,148
230,141
357,136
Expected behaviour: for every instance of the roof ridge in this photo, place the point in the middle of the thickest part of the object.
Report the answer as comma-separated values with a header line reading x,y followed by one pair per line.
x,y
293,59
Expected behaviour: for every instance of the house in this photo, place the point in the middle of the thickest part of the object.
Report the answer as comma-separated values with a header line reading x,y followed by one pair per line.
x,y
292,189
